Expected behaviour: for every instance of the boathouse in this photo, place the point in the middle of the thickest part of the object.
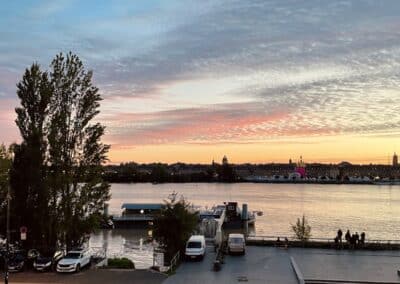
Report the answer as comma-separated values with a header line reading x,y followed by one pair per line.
x,y
137,214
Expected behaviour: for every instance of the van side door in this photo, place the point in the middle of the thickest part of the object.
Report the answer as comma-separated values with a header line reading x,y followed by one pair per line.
x,y
87,257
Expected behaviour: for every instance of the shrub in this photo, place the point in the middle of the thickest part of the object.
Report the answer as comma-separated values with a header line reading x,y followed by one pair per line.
x,y
174,225
302,230
122,263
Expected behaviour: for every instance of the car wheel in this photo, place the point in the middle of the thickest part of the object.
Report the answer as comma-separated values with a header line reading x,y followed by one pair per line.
x,y
78,268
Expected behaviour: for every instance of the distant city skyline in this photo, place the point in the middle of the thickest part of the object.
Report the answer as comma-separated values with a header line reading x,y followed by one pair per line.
x,y
258,81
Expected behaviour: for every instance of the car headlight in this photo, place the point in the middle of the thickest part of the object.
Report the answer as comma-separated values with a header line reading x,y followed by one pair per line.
x,y
48,264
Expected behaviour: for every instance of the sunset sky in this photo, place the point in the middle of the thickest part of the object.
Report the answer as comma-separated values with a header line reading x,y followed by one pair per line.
x,y
258,81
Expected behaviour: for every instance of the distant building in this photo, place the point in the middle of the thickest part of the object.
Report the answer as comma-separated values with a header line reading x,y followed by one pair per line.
x,y
344,164
395,160
224,160
301,168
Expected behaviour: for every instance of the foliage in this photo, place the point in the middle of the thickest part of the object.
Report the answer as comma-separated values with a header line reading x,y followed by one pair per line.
x,y
226,173
122,263
29,194
5,166
174,225
301,229
159,173
57,168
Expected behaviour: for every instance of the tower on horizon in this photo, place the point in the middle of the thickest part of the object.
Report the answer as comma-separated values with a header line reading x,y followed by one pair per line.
x,y
301,168
395,162
224,160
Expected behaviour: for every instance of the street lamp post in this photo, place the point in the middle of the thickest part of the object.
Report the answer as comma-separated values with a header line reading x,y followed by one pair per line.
x,y
8,223
8,236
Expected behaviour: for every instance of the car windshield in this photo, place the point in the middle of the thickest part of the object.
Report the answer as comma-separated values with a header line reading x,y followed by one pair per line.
x,y
236,240
43,259
18,257
73,255
194,245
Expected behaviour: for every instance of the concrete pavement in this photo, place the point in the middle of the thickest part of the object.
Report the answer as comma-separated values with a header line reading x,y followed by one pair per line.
x,y
272,265
363,266
259,265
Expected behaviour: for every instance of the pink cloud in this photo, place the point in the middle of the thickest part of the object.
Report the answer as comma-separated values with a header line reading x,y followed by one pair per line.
x,y
228,123
8,129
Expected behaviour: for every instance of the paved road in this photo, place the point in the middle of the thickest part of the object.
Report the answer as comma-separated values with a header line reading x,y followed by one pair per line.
x,y
98,276
259,265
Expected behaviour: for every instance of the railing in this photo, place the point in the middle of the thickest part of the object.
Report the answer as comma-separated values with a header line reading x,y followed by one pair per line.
x,y
133,217
98,252
325,240
174,262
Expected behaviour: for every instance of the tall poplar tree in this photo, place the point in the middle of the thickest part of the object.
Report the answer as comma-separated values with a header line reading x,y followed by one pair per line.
x,y
29,193
75,150
61,153
5,166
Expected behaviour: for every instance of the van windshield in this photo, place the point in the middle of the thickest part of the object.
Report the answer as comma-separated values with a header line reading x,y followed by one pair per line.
x,y
236,240
194,245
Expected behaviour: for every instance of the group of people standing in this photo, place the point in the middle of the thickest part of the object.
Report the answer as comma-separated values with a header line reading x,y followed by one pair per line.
x,y
353,240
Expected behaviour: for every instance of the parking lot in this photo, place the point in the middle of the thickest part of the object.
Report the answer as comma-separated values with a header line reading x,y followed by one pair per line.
x,y
257,266
273,265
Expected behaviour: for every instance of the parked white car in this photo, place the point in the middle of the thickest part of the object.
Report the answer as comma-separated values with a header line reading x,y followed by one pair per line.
x,y
236,243
73,261
195,247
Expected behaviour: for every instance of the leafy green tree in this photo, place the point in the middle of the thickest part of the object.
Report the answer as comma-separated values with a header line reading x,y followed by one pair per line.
x,y
76,152
302,229
227,173
174,225
159,173
29,194
5,166
57,168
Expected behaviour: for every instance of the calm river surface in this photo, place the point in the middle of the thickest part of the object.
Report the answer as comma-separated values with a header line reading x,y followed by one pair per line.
x,y
370,208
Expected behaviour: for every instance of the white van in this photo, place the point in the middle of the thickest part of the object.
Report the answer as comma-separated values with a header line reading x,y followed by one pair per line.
x,y
195,247
236,244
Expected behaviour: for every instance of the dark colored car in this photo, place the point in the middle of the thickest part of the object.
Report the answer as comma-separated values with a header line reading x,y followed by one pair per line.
x,y
31,256
16,262
47,263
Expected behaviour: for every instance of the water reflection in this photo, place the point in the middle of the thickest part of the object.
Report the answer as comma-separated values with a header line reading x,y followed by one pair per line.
x,y
130,243
370,208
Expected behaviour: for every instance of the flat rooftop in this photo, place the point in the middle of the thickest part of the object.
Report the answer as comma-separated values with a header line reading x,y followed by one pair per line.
x,y
140,206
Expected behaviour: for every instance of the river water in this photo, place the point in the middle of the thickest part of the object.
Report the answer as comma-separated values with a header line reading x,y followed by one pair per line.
x,y
370,208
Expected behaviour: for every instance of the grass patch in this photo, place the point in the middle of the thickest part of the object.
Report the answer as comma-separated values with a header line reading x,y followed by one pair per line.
x,y
122,263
